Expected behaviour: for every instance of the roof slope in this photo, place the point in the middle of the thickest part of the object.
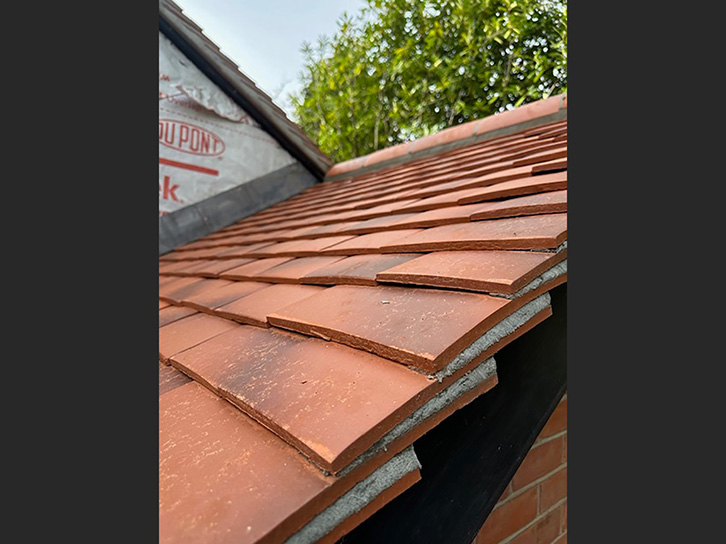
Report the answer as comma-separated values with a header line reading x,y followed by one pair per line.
x,y
343,324
188,37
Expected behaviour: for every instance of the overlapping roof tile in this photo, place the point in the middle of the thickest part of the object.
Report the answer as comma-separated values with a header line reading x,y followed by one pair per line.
x,y
305,348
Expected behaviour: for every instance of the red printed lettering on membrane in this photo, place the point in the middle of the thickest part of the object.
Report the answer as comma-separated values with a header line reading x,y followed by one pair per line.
x,y
189,138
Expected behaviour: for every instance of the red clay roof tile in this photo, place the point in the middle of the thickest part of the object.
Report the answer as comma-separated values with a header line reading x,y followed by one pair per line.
x,y
299,248
356,270
223,477
437,217
296,269
173,282
174,313
253,309
548,155
368,243
240,251
211,299
517,187
329,230
504,189
170,378
487,271
177,268
330,401
422,328
190,331
466,181
249,270
550,166
529,232
212,269
377,224
185,291
541,203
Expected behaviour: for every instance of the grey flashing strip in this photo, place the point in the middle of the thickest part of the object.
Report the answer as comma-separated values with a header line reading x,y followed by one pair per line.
x,y
357,498
560,115
196,220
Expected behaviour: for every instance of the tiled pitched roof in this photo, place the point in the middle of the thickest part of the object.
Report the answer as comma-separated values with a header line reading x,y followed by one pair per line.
x,y
312,343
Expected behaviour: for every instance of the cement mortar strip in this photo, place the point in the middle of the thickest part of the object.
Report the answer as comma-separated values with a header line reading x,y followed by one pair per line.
x,y
557,249
468,381
499,331
553,273
226,208
561,115
357,498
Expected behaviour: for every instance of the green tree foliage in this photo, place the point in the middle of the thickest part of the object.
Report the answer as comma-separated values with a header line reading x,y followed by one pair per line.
x,y
402,69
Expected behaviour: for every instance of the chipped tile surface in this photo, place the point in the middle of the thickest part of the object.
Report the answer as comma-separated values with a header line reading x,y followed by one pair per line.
x,y
302,334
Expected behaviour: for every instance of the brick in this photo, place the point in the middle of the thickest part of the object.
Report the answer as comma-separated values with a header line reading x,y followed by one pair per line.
x,y
557,421
552,490
509,518
564,449
505,494
544,531
563,522
539,461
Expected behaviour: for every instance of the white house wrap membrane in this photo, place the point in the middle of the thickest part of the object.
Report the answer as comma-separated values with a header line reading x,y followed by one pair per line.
x,y
207,143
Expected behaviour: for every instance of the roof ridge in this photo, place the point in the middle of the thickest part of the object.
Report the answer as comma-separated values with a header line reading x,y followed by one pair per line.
x,y
534,113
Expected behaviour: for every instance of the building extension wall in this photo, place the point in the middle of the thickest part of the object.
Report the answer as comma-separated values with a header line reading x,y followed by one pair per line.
x,y
533,507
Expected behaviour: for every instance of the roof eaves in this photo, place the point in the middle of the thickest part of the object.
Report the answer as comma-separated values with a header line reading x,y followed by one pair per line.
x,y
542,112
188,37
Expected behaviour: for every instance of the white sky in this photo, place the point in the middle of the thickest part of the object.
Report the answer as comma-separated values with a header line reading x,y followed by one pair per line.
x,y
263,37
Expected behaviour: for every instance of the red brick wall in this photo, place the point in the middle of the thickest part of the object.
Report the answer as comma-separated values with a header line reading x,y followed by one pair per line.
x,y
533,507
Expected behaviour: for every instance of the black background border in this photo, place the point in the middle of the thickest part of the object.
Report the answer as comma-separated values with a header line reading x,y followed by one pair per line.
x,y
81,264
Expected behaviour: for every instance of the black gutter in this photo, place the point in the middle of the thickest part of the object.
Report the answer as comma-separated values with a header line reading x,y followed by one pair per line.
x,y
213,74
